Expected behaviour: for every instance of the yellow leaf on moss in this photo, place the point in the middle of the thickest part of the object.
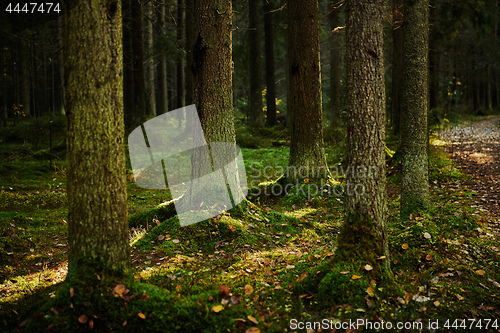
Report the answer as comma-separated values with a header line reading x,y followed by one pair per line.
x,y
217,308
141,315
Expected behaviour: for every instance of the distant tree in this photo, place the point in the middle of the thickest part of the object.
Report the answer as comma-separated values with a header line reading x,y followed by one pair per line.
x,y
270,71
150,61
255,114
139,103
181,78
414,107
304,96
397,64
97,199
163,82
335,67
189,50
363,236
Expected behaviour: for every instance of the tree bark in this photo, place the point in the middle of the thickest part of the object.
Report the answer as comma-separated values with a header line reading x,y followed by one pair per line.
x,y
363,236
434,57
414,106
128,59
139,104
150,62
397,65
269,54
97,200
304,101
163,84
255,115
189,50
335,68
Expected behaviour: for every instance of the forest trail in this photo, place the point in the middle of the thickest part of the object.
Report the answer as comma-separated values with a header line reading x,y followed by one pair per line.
x,y
476,149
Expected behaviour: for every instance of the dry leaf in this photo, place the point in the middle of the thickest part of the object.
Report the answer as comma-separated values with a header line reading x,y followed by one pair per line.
x,y
144,297
248,289
232,228
253,330
427,235
217,308
252,319
82,319
141,315
119,289
345,272
91,324
428,257
224,290
405,246
178,287
368,267
161,237
480,272
175,241
355,277
71,292
370,291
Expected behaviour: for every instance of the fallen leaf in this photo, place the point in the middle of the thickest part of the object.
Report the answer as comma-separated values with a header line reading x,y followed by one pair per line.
x,y
224,290
428,257
355,277
248,289
427,235
178,287
141,315
252,319
370,291
253,330
345,272
175,241
71,292
217,308
82,319
460,297
91,324
480,272
368,267
161,237
405,246
232,228
119,289
144,297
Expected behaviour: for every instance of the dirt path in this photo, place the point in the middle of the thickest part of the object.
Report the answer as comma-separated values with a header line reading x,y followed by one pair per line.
x,y
476,149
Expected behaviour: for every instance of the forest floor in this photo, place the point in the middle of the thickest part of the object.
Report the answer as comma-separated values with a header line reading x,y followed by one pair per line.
x,y
256,270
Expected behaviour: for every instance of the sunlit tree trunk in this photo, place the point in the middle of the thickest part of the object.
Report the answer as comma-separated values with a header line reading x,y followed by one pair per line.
x,y
97,200
414,107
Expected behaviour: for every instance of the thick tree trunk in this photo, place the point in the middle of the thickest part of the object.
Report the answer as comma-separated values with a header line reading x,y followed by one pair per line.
x,y
304,101
269,54
363,236
414,177
150,62
255,114
397,65
97,199
212,69
335,68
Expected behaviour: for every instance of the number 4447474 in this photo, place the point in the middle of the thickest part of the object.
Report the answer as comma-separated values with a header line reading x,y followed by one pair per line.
x,y
33,7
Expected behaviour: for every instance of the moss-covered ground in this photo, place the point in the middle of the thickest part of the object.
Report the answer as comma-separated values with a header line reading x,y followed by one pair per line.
x,y
246,270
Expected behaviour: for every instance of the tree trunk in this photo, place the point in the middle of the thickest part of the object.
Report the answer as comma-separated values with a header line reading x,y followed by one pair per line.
x,y
255,115
189,50
181,79
163,84
212,69
25,79
150,62
97,199
269,54
128,59
434,55
139,103
397,65
306,150
335,68
363,236
414,177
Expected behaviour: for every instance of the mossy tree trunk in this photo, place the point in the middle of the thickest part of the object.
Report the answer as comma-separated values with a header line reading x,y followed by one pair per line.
x,y
363,236
304,90
414,106
255,114
212,69
97,199
269,54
